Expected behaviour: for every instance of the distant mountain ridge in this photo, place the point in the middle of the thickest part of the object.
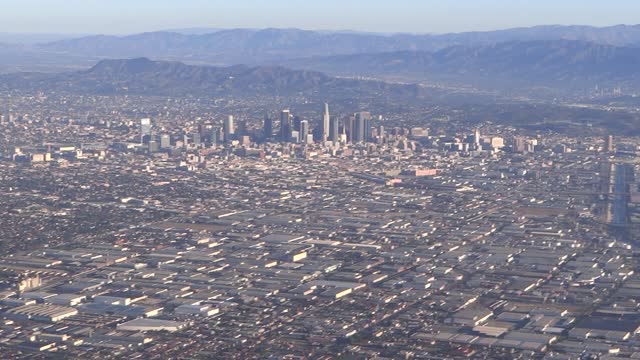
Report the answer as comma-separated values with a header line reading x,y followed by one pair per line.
x,y
142,76
252,46
549,56
558,63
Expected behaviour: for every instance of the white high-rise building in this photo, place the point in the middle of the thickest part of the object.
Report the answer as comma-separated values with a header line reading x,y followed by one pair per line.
x,y
165,141
326,123
304,130
145,128
477,139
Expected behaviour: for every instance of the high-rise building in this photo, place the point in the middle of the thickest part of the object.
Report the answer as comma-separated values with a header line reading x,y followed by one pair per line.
x,y
153,146
361,127
296,123
304,130
241,130
268,126
285,125
367,129
196,139
418,132
165,141
530,145
228,129
349,125
477,139
202,130
497,142
381,133
145,130
295,136
215,135
519,144
358,128
334,130
326,123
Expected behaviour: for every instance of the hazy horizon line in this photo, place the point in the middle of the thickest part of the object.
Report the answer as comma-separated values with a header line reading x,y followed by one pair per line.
x,y
203,30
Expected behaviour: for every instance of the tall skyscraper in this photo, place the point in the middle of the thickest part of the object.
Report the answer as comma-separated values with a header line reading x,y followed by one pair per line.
x,y
381,132
367,130
477,139
326,123
242,129
145,130
334,130
202,130
228,128
196,139
285,125
304,130
361,127
349,127
215,135
296,123
268,126
358,129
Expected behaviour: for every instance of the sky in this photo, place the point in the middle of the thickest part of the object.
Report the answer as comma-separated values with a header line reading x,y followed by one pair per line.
x,y
415,16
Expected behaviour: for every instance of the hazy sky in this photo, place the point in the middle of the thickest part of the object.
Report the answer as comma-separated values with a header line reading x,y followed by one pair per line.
x,y
127,16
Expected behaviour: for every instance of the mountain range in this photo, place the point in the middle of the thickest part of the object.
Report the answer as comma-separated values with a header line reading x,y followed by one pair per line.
x,y
556,63
142,76
251,46
562,57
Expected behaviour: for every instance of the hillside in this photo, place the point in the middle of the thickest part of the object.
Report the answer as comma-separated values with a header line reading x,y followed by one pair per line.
x,y
142,76
559,63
